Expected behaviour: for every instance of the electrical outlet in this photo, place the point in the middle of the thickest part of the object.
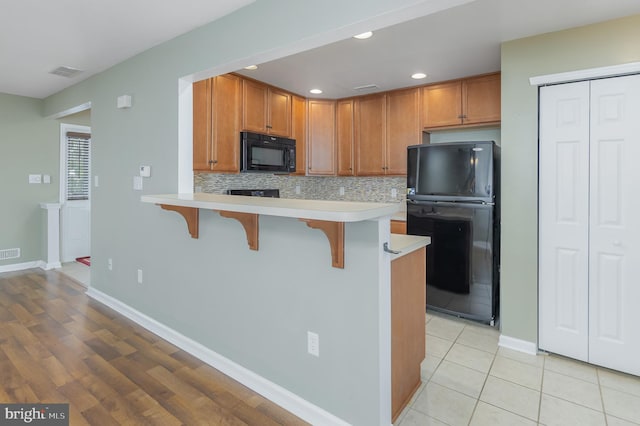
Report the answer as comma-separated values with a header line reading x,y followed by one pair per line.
x,y
96,183
110,264
341,191
297,189
394,193
313,343
139,276
35,178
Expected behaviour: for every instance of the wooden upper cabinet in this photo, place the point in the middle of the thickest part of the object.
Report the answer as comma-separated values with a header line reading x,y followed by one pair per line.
x,y
226,123
321,135
279,121
216,135
202,143
442,104
403,128
481,99
299,132
265,109
468,102
345,137
370,135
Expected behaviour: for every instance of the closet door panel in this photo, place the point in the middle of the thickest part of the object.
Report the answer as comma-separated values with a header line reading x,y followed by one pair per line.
x,y
563,219
614,311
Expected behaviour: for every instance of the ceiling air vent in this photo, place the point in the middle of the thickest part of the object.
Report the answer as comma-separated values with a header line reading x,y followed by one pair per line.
x,y
365,87
65,72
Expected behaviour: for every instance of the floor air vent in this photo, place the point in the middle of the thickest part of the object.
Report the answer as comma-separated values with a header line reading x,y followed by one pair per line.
x,y
13,253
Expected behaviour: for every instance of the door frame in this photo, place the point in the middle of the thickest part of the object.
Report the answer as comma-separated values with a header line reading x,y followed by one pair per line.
x,y
569,77
64,128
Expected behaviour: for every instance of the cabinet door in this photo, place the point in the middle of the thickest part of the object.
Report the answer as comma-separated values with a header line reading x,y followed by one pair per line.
x,y
322,137
225,128
344,132
408,294
299,132
370,135
442,105
398,227
403,128
202,143
254,106
481,99
279,118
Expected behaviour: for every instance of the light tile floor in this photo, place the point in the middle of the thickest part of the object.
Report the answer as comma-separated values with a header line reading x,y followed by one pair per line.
x,y
468,380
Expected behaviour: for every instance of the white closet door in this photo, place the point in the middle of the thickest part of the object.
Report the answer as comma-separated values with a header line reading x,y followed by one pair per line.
x,y
614,259
564,220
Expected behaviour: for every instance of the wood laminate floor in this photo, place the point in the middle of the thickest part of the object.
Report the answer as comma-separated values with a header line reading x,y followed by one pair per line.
x,y
59,346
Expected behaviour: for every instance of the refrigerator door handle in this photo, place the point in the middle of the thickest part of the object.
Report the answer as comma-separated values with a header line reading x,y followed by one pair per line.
x,y
478,204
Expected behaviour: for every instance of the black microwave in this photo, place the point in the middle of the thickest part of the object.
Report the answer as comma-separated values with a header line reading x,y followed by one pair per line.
x,y
265,153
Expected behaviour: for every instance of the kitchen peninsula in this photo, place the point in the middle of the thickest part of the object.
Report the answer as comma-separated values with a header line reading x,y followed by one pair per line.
x,y
287,284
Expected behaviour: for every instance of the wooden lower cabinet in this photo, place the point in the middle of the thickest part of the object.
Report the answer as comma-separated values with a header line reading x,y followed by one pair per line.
x,y
408,300
398,227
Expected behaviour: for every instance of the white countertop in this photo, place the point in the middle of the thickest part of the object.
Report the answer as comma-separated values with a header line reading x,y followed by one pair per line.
x,y
336,211
405,244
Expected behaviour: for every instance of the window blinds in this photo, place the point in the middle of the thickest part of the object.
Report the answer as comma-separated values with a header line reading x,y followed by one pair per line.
x,y
78,161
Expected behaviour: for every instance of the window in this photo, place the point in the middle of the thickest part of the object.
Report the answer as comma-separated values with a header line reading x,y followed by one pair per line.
x,y
78,161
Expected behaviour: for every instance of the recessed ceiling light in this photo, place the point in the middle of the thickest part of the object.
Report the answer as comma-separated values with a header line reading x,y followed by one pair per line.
x,y
419,75
251,67
315,91
363,35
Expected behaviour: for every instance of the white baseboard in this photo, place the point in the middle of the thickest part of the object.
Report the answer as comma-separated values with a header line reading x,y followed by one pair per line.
x,y
273,392
519,345
49,266
21,266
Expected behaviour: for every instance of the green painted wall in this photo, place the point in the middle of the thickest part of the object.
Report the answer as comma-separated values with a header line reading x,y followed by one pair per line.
x,y
610,43
212,289
28,145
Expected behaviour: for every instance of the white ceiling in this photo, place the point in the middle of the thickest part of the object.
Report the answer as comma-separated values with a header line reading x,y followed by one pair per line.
x,y
453,43
38,36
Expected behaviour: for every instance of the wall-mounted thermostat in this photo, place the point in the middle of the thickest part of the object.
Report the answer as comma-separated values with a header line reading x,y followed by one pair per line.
x,y
145,171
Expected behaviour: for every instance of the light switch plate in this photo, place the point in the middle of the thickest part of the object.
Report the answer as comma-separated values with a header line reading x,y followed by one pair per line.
x,y
35,178
137,183
46,178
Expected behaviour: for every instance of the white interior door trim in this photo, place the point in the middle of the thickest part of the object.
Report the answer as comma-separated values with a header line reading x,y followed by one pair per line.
x,y
75,216
586,74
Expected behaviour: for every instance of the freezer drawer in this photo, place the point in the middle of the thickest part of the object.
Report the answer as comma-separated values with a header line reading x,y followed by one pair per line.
x,y
462,274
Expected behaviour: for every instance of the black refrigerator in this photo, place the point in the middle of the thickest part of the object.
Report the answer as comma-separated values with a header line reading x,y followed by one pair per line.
x,y
453,196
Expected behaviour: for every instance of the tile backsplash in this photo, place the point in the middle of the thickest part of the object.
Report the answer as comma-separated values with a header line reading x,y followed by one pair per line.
x,y
372,189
